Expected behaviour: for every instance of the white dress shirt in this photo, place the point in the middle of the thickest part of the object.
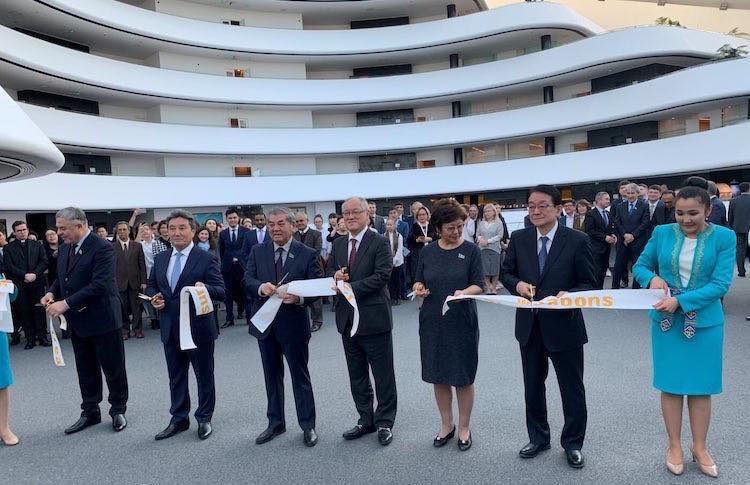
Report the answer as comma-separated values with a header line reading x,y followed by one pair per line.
x,y
185,253
261,233
358,237
570,220
550,236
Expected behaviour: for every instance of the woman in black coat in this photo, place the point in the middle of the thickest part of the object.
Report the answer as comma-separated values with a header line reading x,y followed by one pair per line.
x,y
421,234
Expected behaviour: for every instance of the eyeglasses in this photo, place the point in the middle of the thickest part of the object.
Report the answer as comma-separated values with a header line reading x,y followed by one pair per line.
x,y
454,228
541,207
355,212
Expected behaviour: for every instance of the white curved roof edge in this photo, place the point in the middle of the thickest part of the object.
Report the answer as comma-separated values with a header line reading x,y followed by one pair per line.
x,y
707,83
327,7
708,150
209,35
23,144
90,72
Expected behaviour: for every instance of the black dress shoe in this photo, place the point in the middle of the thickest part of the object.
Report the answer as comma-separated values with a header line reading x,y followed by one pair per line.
x,y
575,458
531,450
29,345
269,434
227,324
385,436
204,430
464,445
358,431
44,342
173,429
310,438
438,441
15,339
119,422
83,423
316,326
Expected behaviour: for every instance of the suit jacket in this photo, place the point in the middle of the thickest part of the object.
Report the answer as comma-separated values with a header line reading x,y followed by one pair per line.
x,y
718,212
594,226
638,224
378,223
16,265
251,239
292,323
131,265
200,266
228,250
313,239
659,217
563,220
739,214
89,287
569,267
369,279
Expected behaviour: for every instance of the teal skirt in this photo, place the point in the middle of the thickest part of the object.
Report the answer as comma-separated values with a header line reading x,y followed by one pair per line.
x,y
688,367
6,374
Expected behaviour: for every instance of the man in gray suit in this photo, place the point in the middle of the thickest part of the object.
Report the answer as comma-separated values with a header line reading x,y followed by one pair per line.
x,y
314,239
739,222
376,222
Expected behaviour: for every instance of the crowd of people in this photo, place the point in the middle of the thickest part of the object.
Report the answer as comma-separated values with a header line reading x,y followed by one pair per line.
x,y
676,241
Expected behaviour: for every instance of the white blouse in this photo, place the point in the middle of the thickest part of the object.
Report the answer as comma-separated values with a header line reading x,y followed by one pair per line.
x,y
686,259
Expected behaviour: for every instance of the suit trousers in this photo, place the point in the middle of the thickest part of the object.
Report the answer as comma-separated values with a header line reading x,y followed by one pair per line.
x,y
93,355
625,255
394,283
741,252
569,369
233,285
131,305
178,365
316,311
26,315
601,263
372,352
272,353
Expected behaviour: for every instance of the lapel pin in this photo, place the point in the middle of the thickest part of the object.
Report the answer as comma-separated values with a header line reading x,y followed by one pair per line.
x,y
461,256
291,255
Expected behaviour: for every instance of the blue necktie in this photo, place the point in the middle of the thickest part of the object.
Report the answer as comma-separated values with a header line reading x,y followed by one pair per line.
x,y
176,270
605,217
543,253
234,237
631,209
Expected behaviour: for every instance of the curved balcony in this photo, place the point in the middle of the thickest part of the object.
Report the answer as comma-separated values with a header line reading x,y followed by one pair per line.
x,y
708,150
668,95
36,64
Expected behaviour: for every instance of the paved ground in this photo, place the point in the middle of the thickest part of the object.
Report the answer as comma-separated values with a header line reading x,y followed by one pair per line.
x,y
625,441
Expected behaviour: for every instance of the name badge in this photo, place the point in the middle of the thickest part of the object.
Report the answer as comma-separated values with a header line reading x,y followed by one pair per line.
x,y
461,256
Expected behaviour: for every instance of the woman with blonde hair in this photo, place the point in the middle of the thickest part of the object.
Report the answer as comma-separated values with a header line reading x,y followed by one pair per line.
x,y
489,234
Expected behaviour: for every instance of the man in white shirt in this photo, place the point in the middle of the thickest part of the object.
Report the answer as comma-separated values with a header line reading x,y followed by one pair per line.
x,y
470,228
569,213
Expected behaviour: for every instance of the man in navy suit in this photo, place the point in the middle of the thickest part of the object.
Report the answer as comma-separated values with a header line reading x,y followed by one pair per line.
x,y
186,265
656,208
549,259
86,293
600,227
718,214
284,258
255,236
632,224
230,249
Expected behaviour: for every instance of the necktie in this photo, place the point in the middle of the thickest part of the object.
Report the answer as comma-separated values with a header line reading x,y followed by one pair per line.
x,y
352,253
279,264
176,270
605,217
631,208
125,246
261,236
652,208
543,253
72,256
234,236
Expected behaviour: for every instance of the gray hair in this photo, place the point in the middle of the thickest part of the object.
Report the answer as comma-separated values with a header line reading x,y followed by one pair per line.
x,y
361,200
183,214
282,211
72,214
599,195
634,187
302,214
712,188
122,223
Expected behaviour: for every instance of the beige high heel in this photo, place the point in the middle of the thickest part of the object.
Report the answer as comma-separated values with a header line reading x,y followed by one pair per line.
x,y
708,470
675,468
13,441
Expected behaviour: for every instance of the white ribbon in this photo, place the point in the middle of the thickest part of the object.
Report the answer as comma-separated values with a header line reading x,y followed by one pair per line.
x,y
57,356
6,316
598,299
202,304
266,314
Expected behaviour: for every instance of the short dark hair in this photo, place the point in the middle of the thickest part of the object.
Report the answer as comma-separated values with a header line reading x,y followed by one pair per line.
x,y
696,181
655,187
183,214
667,192
745,187
392,209
568,201
694,192
550,190
231,210
445,211
161,223
332,214
399,203
19,223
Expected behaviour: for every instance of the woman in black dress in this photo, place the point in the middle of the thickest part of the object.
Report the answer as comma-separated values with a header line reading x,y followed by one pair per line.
x,y
421,233
449,344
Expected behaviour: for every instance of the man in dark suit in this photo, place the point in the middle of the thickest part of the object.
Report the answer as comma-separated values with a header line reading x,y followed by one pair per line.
x,y
667,198
25,262
312,239
718,213
230,249
656,209
632,223
376,222
600,227
550,259
255,236
269,263
131,279
739,222
568,217
86,293
364,260
186,265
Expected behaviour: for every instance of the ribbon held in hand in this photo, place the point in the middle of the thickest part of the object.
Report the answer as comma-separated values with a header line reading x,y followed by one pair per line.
x,y
6,316
203,306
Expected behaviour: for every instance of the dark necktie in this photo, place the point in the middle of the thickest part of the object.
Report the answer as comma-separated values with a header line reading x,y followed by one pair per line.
x,y
234,236
631,208
543,253
72,256
279,264
352,254
605,217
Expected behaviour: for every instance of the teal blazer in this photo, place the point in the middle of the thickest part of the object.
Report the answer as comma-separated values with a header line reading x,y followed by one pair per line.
x,y
713,269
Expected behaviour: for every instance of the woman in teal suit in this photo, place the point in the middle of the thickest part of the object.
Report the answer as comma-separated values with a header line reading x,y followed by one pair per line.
x,y
694,262
6,379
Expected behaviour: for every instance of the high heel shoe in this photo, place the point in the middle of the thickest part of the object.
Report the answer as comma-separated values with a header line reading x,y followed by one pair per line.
x,y
708,470
675,468
438,441
12,441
